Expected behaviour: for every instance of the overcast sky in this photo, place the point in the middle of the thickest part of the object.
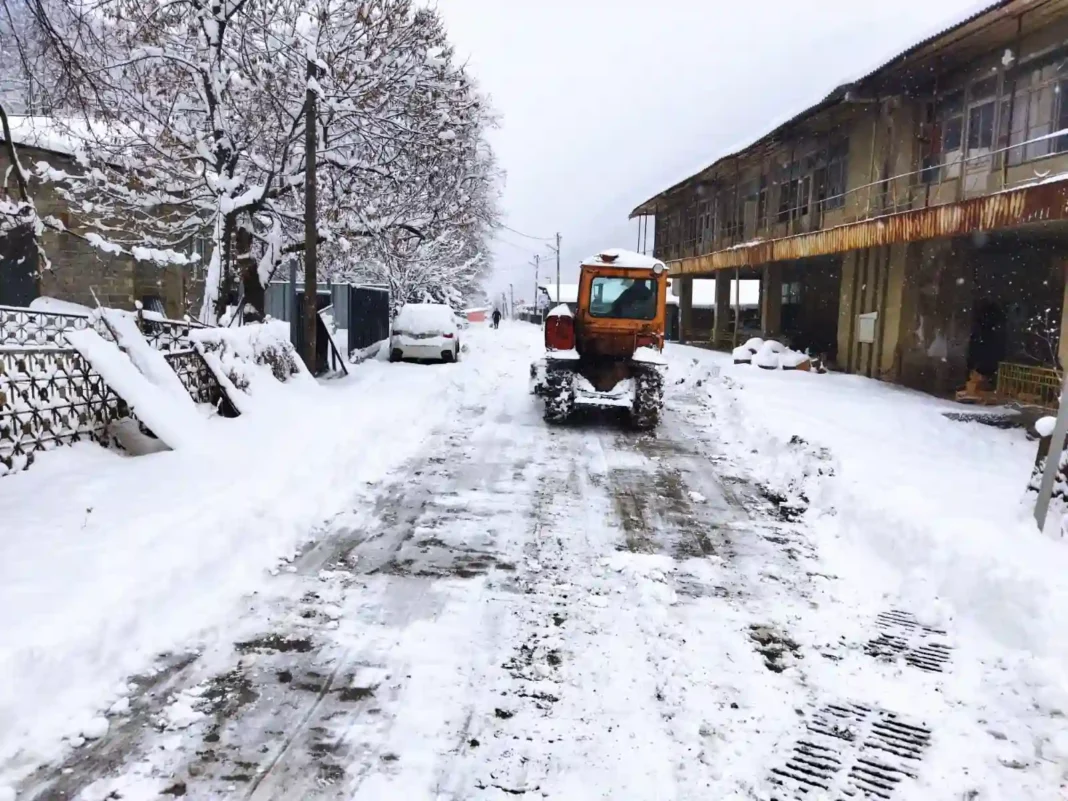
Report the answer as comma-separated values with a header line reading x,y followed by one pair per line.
x,y
603,103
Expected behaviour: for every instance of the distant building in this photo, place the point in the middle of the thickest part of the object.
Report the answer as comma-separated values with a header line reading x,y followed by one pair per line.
x,y
916,219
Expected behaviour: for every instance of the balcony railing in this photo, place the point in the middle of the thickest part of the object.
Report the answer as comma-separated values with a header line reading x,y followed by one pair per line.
x,y
927,187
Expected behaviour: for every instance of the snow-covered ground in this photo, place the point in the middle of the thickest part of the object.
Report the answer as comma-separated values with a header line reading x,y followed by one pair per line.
x,y
406,586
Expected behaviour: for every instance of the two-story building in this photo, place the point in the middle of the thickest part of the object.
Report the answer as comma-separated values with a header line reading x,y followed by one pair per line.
x,y
916,220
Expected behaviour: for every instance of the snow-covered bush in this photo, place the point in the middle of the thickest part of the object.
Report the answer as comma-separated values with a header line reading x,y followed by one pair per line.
x,y
251,360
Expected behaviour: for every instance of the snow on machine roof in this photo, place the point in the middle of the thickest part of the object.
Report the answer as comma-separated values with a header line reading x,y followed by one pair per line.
x,y
627,259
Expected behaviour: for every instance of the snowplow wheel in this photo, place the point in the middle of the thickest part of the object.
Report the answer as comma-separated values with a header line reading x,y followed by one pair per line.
x,y
648,400
559,393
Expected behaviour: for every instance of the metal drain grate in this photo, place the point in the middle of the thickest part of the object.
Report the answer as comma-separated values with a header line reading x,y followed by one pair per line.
x,y
903,635
851,751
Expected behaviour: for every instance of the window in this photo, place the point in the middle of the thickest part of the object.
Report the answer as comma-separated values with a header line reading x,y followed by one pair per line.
x,y
1038,109
730,201
953,134
623,298
981,126
834,178
762,203
791,293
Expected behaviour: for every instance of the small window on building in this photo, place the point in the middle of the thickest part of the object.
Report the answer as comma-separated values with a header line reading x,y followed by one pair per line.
x,y
952,134
791,293
1038,110
981,126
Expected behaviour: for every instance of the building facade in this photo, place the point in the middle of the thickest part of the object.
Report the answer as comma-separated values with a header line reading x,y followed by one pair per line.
x,y
77,271
915,222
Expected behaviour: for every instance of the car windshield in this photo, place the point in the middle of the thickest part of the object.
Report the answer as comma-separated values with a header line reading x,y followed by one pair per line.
x,y
623,298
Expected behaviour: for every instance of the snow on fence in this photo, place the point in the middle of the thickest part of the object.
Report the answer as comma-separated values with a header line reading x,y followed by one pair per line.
x,y
51,396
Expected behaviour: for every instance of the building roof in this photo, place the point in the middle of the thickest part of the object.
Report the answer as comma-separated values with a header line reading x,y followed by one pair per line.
x,y
916,58
568,292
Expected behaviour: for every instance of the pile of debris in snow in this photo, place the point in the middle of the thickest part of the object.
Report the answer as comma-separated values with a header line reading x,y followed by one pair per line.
x,y
772,355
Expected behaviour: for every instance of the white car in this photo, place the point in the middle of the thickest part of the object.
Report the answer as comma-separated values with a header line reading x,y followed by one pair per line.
x,y
425,332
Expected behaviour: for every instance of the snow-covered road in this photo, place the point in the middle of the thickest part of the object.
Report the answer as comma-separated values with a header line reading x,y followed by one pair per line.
x,y
508,611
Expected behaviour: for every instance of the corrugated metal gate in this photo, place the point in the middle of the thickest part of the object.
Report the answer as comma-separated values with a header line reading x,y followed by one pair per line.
x,y
363,311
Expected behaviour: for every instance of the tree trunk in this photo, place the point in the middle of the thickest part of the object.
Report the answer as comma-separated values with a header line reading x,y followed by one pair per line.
x,y
226,277
255,294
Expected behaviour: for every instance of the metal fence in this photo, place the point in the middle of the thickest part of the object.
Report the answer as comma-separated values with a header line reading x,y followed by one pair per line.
x,y
1030,385
51,396
361,310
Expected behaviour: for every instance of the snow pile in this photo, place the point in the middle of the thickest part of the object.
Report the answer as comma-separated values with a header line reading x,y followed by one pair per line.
x,y
1045,425
171,418
767,356
149,361
252,361
563,310
425,319
57,306
770,355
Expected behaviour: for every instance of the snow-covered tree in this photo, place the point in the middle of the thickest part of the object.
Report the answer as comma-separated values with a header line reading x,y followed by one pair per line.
x,y
191,131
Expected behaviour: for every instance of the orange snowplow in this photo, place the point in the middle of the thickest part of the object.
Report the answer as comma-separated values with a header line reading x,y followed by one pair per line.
x,y
608,353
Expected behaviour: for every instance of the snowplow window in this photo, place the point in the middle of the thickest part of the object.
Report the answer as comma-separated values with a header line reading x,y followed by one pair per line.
x,y
623,298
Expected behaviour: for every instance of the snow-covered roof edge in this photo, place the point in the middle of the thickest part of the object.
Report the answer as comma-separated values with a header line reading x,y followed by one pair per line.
x,y
627,259
838,94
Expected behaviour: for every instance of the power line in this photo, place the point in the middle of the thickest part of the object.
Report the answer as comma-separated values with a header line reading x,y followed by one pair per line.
x,y
528,236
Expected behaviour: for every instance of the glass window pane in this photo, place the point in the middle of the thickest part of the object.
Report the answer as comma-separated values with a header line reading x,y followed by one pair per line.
x,y
951,136
623,298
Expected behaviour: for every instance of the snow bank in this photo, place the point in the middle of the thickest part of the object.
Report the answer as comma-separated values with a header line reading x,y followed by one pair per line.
x,y
928,508
173,420
425,319
106,561
252,361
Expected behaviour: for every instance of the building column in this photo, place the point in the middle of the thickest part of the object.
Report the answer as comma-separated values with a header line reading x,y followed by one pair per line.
x,y
685,309
771,300
723,306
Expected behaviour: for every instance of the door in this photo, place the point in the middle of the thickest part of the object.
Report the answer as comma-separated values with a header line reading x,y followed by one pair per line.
x,y
18,268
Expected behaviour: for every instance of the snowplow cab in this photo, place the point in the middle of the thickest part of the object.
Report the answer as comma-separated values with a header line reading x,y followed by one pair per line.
x,y
608,353
621,307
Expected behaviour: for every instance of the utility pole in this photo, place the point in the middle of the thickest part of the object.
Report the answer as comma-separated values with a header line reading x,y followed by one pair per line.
x,y
558,298
537,277
311,232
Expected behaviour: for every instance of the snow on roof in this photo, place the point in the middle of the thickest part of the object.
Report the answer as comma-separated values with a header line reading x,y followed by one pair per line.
x,y
47,133
704,293
568,293
617,257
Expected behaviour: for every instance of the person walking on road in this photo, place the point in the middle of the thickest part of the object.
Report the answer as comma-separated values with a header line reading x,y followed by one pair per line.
x,y
496,318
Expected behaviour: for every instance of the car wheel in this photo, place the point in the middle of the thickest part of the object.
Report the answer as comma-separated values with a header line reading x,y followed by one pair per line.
x,y
448,356
396,355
